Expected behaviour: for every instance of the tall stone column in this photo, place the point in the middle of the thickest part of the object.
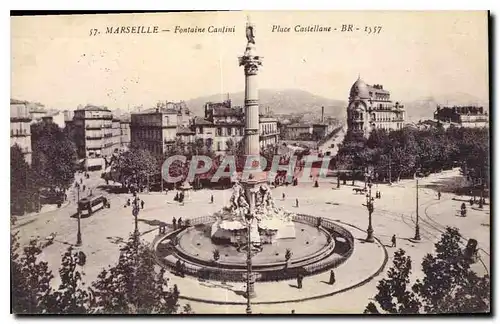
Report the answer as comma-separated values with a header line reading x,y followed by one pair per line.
x,y
251,63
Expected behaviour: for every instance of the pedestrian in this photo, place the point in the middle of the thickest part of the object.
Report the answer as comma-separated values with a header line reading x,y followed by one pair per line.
x,y
81,180
379,195
299,280
439,195
142,204
179,222
212,199
83,187
296,202
128,202
332,277
174,223
293,311
471,201
283,196
176,198
183,269
393,240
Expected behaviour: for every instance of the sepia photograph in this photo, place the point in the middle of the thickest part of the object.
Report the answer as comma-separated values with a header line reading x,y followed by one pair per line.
x,y
250,162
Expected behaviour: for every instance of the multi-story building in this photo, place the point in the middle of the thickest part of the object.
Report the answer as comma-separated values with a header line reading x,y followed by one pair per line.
x,y
94,136
298,131
125,132
37,111
20,130
229,123
156,129
370,107
116,131
56,117
462,116
224,122
269,132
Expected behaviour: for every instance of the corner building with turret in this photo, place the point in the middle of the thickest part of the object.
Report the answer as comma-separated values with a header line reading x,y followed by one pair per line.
x,y
370,107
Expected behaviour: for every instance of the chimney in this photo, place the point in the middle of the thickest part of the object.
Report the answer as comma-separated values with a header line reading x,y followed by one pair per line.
x,y
322,114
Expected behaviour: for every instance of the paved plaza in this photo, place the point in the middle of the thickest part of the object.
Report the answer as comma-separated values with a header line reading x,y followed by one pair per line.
x,y
104,232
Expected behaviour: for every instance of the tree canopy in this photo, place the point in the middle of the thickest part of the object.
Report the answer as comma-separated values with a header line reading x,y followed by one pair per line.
x,y
448,286
54,156
132,286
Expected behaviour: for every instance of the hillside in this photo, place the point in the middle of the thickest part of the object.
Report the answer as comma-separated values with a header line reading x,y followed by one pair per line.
x,y
289,101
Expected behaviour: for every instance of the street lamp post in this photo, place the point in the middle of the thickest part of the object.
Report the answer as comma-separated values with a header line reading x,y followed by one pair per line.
x,y
250,293
135,213
79,233
370,206
417,228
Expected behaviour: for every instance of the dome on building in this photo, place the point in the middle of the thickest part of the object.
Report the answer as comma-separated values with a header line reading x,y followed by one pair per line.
x,y
359,89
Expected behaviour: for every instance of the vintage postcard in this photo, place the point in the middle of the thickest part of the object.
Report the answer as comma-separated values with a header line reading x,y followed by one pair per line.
x,y
279,162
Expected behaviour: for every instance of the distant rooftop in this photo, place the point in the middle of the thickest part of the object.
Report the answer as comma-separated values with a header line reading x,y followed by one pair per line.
x,y
93,108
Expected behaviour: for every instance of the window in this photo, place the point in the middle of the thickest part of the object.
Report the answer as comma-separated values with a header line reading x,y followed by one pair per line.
x,y
219,131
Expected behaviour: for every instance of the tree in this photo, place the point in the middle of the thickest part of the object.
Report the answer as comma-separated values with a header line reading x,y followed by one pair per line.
x,y
448,273
135,165
394,295
133,286
448,286
30,279
54,156
71,297
22,189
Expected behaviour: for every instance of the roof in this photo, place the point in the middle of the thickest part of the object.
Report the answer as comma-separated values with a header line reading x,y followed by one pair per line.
x,y
93,108
184,131
17,102
201,121
168,111
298,125
227,111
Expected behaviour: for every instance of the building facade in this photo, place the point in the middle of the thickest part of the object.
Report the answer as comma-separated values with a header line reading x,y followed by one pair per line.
x,y
56,117
370,107
462,116
125,132
269,131
298,131
156,129
224,122
20,129
94,135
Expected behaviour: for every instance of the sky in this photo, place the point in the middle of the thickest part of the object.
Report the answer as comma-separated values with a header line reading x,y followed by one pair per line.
x,y
55,61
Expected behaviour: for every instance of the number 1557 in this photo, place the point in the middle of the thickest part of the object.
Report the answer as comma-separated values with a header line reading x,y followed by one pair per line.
x,y
373,29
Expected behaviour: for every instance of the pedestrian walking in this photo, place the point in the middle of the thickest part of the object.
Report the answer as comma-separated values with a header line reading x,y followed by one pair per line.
x,y
128,202
212,199
179,222
332,277
439,195
283,196
174,223
471,202
142,204
393,240
296,202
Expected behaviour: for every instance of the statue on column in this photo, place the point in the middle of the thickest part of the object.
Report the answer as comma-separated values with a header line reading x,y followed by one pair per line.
x,y
250,34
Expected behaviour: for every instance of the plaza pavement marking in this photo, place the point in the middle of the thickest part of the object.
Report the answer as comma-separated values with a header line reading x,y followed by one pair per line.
x,y
211,292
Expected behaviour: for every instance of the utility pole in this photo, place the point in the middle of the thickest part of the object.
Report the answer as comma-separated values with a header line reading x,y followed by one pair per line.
x,y
79,233
250,280
390,166
417,228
